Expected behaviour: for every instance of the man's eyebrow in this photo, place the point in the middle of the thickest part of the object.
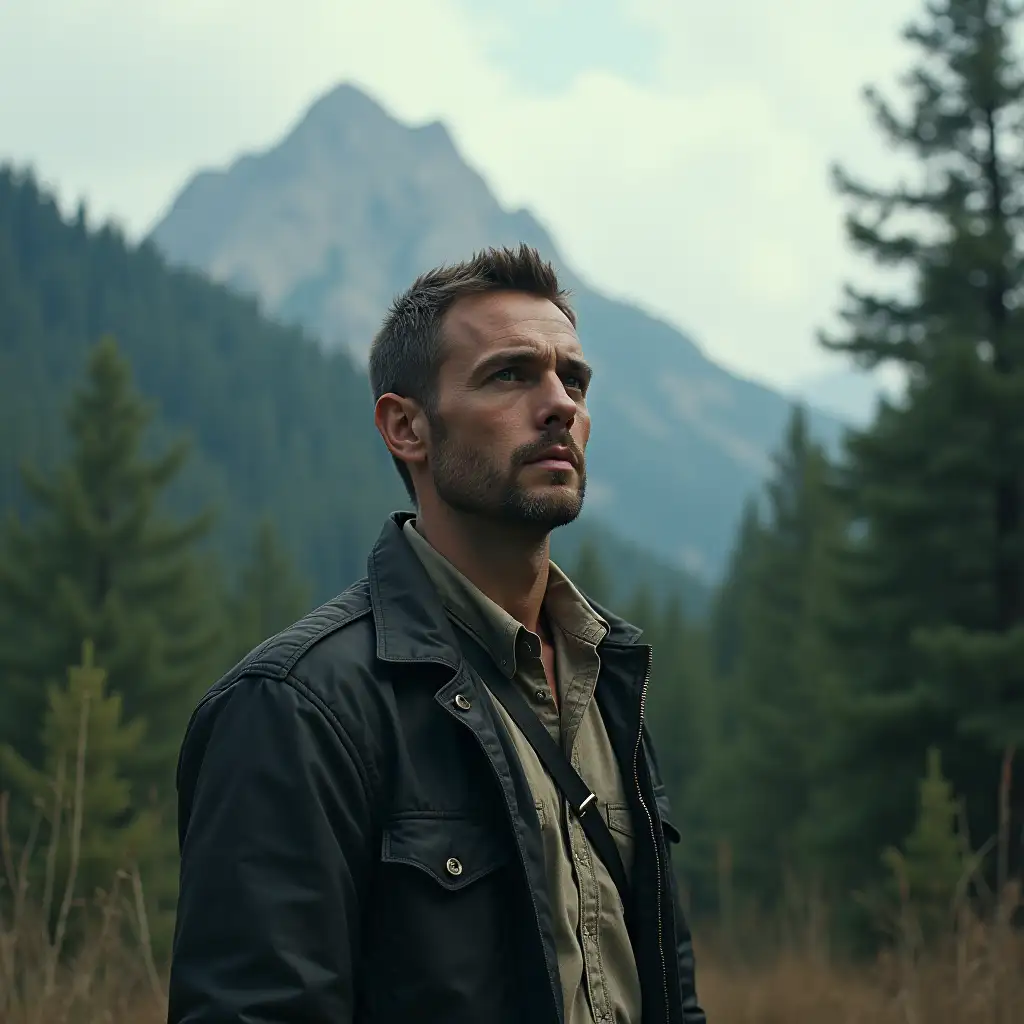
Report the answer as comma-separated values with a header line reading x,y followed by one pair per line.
x,y
524,355
578,366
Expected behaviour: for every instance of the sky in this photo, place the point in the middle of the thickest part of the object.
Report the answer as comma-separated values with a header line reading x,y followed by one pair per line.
x,y
678,152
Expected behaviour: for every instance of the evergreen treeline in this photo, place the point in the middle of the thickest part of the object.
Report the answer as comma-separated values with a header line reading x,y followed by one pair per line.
x,y
854,704
841,722
101,576
279,430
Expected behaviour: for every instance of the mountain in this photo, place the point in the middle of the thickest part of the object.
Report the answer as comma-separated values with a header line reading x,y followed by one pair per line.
x,y
279,427
327,225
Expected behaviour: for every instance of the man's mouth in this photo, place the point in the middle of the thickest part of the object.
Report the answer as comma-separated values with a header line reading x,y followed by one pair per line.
x,y
558,457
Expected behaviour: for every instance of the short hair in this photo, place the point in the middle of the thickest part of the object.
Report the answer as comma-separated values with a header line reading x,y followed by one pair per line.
x,y
407,352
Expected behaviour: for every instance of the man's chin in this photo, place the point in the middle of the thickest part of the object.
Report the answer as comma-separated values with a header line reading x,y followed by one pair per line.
x,y
548,511
537,509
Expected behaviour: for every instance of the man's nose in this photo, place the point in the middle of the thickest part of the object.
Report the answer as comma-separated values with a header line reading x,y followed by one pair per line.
x,y
558,406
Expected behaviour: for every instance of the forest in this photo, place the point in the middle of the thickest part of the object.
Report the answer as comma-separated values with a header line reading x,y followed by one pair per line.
x,y
840,722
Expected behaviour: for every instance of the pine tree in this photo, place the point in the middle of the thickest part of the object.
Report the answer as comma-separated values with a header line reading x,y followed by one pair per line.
x,y
92,831
933,591
642,611
725,628
681,718
769,771
99,561
928,873
589,574
270,594
712,798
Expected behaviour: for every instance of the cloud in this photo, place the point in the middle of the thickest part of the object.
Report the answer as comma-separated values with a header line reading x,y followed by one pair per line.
x,y
546,44
690,175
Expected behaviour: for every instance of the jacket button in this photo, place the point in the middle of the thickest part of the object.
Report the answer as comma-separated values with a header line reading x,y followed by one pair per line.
x,y
462,703
454,866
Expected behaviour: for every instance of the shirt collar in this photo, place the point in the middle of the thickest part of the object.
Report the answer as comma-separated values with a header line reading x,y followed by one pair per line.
x,y
499,632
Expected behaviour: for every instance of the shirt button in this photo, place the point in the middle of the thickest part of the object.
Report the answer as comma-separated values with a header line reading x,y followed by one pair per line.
x,y
462,703
454,866
542,695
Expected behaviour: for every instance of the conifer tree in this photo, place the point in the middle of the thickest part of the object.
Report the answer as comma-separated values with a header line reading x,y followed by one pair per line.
x,y
769,771
100,561
642,611
711,797
589,574
928,873
270,594
932,636
670,715
683,726
80,786
725,627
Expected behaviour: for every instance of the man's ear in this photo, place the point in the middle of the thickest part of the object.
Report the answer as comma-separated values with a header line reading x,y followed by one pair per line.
x,y
403,426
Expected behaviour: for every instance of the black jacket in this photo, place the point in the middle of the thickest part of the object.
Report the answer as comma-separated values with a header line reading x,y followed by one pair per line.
x,y
323,784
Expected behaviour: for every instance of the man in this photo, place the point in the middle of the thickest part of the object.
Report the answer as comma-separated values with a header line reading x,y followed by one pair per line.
x,y
369,833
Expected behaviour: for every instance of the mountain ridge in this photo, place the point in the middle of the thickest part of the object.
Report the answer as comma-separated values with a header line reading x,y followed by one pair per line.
x,y
326,225
278,428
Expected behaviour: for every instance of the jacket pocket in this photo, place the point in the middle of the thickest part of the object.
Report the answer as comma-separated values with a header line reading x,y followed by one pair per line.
x,y
454,851
440,938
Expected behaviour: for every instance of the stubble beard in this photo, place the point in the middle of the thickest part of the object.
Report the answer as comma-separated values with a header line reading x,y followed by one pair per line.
x,y
470,482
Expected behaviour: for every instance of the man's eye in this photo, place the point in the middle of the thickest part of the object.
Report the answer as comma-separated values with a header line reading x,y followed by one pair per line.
x,y
510,373
574,383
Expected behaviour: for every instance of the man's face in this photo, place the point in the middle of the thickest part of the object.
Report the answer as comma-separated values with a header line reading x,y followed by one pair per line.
x,y
510,425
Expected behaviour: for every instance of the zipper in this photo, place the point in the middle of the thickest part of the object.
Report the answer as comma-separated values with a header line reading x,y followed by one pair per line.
x,y
552,971
650,822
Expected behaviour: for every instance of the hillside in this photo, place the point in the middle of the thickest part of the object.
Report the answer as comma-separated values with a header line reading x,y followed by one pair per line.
x,y
328,224
279,426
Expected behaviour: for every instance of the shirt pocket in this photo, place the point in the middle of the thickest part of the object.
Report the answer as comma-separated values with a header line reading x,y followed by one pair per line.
x,y
620,823
619,819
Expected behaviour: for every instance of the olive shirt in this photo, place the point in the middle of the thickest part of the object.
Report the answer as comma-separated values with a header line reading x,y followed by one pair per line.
x,y
598,973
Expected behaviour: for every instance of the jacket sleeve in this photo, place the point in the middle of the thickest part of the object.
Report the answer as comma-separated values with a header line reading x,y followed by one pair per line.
x,y
275,835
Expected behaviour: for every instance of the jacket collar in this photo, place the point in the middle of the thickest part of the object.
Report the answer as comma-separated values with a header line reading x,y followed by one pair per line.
x,y
410,621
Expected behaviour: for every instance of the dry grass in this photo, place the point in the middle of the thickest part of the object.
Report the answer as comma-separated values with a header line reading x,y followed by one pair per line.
x,y
978,978
975,977
977,983
65,960
103,980
964,964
